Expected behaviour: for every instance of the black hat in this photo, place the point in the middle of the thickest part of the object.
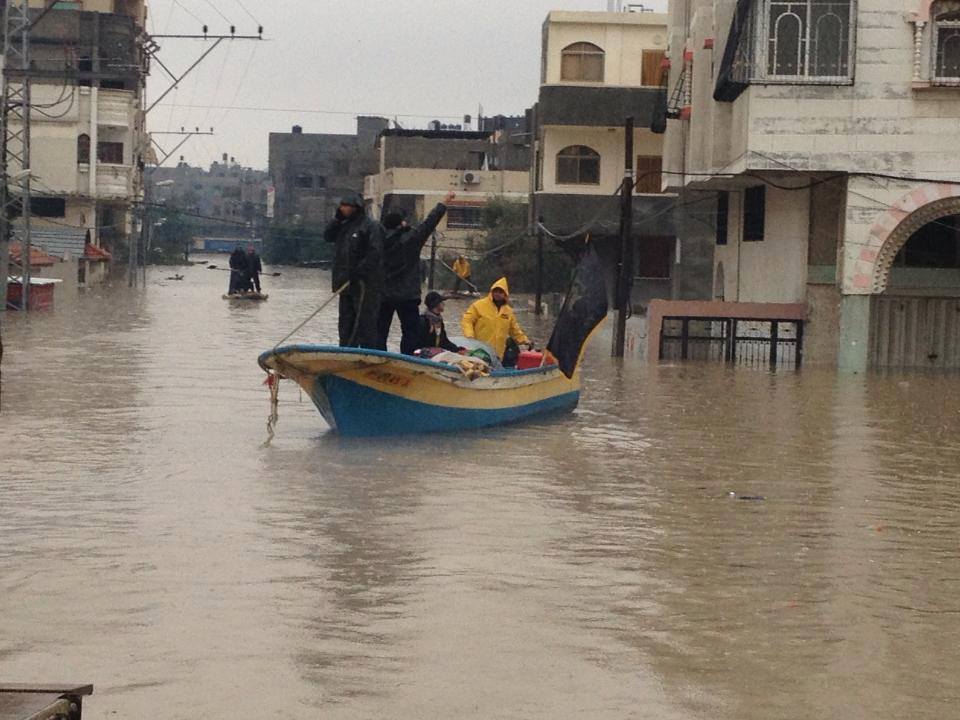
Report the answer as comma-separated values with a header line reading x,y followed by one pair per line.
x,y
433,299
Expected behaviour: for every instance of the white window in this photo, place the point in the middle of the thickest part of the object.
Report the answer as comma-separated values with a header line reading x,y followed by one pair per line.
x,y
807,41
946,41
582,62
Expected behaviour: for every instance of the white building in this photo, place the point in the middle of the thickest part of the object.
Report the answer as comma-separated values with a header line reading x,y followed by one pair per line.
x,y
88,140
598,68
830,129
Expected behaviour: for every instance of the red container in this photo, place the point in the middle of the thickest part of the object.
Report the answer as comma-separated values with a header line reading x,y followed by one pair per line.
x,y
41,296
529,359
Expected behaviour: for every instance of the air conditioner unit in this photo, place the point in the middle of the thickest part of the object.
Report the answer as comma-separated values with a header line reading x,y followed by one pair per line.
x,y
471,178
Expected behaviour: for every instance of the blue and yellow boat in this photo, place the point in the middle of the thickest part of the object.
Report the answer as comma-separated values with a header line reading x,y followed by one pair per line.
x,y
363,392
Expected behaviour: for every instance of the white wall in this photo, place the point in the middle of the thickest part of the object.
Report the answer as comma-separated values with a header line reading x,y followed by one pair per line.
x,y
606,141
775,268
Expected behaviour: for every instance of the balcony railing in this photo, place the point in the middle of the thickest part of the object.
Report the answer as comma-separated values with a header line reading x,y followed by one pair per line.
x,y
114,180
115,108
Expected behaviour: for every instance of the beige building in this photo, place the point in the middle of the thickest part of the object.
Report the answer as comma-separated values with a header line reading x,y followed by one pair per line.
x,y
419,167
598,68
829,129
88,138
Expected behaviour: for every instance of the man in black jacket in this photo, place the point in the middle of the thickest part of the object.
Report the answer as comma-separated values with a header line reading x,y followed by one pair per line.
x,y
238,271
357,260
401,265
254,268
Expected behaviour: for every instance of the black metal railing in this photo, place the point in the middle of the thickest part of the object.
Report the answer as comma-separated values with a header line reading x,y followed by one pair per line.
x,y
738,341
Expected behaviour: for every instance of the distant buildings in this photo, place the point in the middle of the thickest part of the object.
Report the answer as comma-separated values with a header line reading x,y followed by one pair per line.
x,y
311,171
598,68
88,142
417,168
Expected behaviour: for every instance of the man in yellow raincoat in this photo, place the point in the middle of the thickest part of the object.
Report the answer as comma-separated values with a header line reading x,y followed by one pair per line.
x,y
461,266
491,319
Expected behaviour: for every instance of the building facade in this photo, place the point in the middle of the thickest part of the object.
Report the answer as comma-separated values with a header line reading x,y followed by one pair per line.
x,y
829,128
417,168
598,68
311,171
88,140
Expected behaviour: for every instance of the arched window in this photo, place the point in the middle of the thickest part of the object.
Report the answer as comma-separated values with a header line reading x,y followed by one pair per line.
x,y
578,165
83,149
582,62
946,39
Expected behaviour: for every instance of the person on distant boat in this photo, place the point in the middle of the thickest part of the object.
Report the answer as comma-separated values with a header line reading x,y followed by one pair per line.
x,y
401,269
357,261
238,271
491,320
461,266
432,333
254,268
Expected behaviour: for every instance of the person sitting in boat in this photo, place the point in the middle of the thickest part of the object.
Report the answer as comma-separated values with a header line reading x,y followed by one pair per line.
x,y
402,245
358,264
238,271
491,320
254,268
432,332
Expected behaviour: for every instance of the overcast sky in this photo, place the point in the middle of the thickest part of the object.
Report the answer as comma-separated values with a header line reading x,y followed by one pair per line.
x,y
325,61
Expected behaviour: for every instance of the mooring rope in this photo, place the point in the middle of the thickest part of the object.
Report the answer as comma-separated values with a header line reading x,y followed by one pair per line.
x,y
336,293
273,381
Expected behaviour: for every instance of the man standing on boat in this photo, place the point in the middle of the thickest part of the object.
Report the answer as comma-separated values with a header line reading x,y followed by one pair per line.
x,y
357,261
238,271
254,268
402,245
491,320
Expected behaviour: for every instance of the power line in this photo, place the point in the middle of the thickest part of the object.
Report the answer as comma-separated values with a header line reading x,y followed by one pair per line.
x,y
217,11
313,111
244,8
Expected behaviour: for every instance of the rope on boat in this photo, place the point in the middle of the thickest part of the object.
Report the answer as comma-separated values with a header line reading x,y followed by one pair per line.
x,y
336,293
273,382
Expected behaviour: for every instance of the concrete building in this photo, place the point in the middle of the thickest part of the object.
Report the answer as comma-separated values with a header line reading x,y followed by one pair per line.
x,y
88,141
311,171
417,168
831,130
598,68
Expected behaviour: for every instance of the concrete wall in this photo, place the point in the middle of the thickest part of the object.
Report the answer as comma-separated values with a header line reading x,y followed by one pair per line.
x,y
622,36
773,270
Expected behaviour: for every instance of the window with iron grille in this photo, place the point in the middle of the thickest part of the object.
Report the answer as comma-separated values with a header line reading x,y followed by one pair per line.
x,y
464,217
946,41
303,182
808,40
582,62
578,165
110,153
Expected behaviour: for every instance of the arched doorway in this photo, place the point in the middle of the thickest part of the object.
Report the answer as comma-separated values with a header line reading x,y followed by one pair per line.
x,y
915,313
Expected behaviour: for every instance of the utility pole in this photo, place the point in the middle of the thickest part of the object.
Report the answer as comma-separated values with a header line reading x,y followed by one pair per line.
x,y
625,267
15,154
538,309
433,260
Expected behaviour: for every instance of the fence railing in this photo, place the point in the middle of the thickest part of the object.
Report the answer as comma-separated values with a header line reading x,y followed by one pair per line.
x,y
745,334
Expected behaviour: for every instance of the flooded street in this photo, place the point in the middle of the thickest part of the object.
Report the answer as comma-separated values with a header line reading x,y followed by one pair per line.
x,y
693,542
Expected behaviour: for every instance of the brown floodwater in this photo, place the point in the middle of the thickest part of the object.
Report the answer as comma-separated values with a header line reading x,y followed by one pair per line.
x,y
693,542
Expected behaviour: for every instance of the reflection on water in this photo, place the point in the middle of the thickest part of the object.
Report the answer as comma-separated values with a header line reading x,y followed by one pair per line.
x,y
693,542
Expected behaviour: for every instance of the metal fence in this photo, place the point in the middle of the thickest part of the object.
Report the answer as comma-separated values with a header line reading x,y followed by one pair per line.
x,y
738,341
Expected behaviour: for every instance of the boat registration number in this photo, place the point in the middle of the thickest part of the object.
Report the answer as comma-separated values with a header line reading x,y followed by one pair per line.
x,y
389,378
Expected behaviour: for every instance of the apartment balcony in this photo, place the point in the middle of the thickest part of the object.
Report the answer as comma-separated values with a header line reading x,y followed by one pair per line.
x,y
114,181
115,108
597,106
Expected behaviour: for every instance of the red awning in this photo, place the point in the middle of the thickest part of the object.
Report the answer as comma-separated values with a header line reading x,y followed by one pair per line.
x,y
38,258
95,253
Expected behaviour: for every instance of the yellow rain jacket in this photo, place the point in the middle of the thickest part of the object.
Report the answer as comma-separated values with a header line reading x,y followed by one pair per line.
x,y
487,323
461,266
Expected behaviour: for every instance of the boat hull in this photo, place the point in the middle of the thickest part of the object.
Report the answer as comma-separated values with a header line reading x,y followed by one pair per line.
x,y
363,393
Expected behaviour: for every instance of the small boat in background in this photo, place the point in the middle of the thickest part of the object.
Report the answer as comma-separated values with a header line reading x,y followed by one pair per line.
x,y
250,296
